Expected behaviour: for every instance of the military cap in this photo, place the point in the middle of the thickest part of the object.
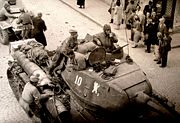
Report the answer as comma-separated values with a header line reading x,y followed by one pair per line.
x,y
72,31
34,78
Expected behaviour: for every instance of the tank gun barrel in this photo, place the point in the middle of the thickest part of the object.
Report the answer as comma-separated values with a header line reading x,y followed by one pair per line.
x,y
31,68
119,48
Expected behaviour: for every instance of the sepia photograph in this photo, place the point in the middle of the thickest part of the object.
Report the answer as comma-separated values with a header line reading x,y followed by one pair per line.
x,y
90,61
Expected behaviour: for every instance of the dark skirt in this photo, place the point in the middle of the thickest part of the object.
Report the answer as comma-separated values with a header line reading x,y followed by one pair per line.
x,y
40,37
80,2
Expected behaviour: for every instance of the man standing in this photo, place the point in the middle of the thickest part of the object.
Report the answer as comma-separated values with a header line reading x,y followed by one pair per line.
x,y
164,48
39,28
149,35
26,21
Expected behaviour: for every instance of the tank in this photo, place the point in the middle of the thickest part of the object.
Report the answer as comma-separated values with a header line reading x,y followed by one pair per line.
x,y
109,88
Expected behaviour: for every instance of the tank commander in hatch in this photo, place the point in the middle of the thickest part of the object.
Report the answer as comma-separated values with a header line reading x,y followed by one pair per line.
x,y
31,97
106,39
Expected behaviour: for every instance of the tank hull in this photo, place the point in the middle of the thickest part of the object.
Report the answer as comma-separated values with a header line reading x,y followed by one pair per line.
x,y
95,97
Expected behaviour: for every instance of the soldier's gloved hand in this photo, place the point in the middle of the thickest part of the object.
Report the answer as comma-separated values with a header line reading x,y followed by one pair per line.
x,y
110,35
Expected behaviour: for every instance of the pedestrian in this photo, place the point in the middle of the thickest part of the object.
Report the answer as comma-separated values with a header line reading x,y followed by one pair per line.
x,y
31,97
162,26
148,35
130,23
111,10
164,48
118,12
156,47
27,24
130,7
137,29
39,28
5,12
141,16
81,3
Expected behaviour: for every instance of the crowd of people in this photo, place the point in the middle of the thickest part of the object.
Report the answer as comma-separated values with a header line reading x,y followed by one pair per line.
x,y
141,22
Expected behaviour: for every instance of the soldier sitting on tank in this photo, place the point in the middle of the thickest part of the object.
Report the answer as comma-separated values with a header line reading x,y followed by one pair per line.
x,y
5,12
107,39
31,97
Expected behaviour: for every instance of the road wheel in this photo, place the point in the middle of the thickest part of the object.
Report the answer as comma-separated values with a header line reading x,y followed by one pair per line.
x,y
4,37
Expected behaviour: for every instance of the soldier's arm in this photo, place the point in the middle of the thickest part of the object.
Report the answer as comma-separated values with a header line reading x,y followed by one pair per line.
x,y
19,20
96,40
9,15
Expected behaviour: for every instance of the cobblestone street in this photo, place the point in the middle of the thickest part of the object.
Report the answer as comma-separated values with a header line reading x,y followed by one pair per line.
x,y
59,18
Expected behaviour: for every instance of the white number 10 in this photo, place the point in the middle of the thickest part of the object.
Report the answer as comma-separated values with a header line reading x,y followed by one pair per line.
x,y
78,80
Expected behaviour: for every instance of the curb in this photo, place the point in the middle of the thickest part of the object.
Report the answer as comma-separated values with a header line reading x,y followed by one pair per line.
x,y
90,18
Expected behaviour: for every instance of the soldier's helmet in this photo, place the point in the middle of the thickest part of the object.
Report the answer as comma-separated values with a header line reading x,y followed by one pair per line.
x,y
73,32
106,27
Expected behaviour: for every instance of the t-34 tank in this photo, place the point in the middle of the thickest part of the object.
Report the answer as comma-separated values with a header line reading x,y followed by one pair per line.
x,y
105,90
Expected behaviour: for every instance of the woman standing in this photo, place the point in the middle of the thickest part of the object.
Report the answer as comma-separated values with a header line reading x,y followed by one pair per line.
x,y
118,12
39,28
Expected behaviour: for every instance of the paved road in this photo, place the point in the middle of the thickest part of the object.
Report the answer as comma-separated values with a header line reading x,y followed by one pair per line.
x,y
59,19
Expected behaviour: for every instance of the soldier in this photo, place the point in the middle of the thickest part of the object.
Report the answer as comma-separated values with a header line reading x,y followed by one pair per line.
x,y
106,39
26,21
72,42
64,51
30,100
5,12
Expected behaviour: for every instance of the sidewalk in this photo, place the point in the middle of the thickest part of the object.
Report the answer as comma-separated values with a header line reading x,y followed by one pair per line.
x,y
97,11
